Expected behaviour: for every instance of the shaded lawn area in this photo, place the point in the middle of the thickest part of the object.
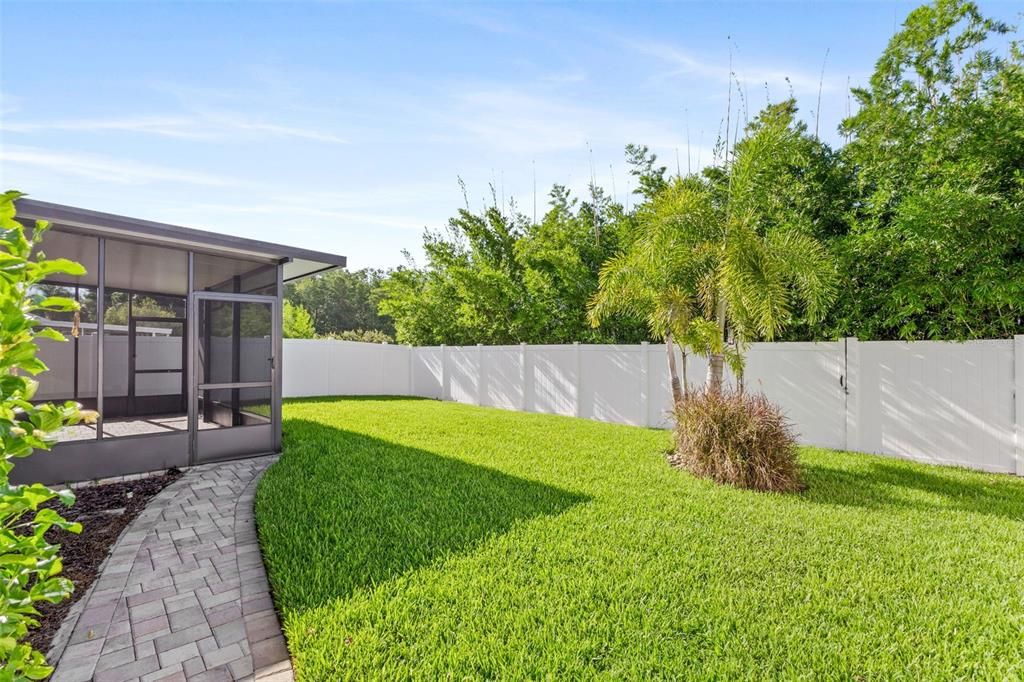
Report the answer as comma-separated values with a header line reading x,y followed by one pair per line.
x,y
411,538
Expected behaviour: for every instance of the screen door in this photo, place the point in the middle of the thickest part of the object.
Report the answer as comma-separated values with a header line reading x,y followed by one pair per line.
x,y
235,371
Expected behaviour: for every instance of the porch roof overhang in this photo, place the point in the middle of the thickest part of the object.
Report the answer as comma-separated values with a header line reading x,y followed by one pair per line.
x,y
297,262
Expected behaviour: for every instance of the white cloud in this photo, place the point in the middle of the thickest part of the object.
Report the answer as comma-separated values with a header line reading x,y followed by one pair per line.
x,y
479,17
100,168
233,122
9,103
517,121
166,126
206,126
291,208
778,79
566,77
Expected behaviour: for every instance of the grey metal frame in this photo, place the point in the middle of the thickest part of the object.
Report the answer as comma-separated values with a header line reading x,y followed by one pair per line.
x,y
101,310
174,236
101,456
134,371
277,392
196,455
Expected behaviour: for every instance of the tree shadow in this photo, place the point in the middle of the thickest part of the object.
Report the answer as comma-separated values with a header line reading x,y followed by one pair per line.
x,y
341,511
879,484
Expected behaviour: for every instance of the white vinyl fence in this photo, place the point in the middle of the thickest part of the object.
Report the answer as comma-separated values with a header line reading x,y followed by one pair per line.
x,y
931,401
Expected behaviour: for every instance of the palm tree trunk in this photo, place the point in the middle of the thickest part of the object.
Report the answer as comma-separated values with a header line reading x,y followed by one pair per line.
x,y
716,361
716,365
740,383
686,382
670,348
734,348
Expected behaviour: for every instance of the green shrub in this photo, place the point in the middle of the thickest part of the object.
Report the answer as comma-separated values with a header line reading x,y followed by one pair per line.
x,y
738,438
365,336
297,322
30,566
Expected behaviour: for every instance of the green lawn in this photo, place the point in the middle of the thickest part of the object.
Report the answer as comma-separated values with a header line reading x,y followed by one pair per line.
x,y
416,539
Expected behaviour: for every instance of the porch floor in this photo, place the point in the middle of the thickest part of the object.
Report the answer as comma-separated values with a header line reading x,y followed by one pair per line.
x,y
133,426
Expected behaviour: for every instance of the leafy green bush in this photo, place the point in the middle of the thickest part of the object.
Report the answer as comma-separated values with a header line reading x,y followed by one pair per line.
x,y
30,566
297,322
364,335
738,438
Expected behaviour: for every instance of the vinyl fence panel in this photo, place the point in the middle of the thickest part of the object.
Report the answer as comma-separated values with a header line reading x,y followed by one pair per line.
x,y
552,380
503,376
948,403
427,375
940,402
807,381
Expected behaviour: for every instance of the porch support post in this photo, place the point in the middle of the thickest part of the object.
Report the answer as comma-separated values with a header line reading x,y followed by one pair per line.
x,y
101,294
277,370
190,340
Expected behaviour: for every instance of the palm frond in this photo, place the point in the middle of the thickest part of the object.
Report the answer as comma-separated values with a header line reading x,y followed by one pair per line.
x,y
807,267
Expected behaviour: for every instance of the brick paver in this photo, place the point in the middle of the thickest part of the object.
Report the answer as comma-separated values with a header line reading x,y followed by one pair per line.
x,y
184,595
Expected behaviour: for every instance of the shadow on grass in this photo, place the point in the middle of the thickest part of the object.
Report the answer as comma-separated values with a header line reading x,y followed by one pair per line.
x,y
896,484
342,511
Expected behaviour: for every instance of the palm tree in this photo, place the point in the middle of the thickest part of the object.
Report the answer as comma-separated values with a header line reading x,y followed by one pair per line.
x,y
655,279
712,267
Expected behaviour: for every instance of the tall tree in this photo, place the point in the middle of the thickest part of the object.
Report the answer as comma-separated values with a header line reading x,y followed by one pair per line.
x,y
493,277
341,300
936,246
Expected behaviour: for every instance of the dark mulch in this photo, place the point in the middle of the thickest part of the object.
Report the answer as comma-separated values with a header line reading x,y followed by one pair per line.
x,y
104,511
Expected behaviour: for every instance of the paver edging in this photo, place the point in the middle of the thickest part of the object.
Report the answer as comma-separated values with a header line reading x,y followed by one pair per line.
x,y
272,661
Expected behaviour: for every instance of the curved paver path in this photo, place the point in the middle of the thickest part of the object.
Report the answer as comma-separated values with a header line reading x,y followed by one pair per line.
x,y
183,595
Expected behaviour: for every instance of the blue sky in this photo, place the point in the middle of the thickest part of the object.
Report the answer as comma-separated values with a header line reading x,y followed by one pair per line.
x,y
344,126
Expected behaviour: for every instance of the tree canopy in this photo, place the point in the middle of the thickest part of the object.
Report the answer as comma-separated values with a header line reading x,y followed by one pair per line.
x,y
341,300
935,246
494,277
921,208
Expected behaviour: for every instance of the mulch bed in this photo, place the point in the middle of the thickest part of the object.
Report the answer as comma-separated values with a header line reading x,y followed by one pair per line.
x,y
104,511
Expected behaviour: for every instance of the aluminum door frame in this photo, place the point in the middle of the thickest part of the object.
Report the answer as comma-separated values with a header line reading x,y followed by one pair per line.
x,y
195,299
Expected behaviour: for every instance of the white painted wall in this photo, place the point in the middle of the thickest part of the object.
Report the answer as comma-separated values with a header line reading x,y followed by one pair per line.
x,y
941,402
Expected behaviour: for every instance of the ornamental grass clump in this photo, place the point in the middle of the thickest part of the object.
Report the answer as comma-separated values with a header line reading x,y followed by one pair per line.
x,y
738,438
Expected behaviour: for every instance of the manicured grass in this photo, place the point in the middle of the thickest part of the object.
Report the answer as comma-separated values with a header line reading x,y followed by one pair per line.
x,y
418,539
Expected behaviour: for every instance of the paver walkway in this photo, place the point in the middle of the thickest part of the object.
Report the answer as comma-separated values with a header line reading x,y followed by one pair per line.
x,y
184,595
